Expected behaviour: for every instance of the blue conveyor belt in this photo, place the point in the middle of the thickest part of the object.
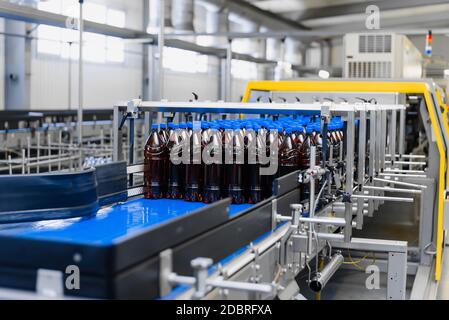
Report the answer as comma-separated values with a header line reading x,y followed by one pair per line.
x,y
110,225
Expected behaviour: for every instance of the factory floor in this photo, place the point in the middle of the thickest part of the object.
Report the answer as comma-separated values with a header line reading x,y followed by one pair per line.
x,y
349,284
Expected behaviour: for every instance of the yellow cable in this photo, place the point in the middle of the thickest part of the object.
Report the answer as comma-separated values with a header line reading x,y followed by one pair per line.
x,y
320,267
356,263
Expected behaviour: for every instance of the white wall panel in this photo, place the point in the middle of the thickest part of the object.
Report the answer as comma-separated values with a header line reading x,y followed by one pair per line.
x,y
179,86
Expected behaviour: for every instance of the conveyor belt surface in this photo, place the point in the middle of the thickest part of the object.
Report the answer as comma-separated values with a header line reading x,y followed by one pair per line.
x,y
110,224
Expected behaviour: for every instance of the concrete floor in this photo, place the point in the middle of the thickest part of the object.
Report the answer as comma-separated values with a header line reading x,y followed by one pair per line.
x,y
349,284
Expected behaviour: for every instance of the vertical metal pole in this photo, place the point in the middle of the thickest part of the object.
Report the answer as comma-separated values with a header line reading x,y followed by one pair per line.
x,y
10,164
23,160
402,119
102,139
361,167
161,44
70,151
383,145
229,72
393,124
325,145
378,140
59,149
80,85
38,151
331,163
70,78
49,150
117,153
131,148
350,137
372,158
384,139
311,200
29,154
312,182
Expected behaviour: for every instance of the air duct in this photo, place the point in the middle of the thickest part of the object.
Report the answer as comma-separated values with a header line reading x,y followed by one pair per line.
x,y
325,53
314,55
293,51
182,15
155,9
217,21
274,49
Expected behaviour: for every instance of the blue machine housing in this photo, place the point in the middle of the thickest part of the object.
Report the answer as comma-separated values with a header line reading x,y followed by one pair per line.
x,y
117,248
37,197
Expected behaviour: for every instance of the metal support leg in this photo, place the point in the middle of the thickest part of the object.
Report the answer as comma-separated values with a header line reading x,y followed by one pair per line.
x,y
117,154
228,84
131,148
393,135
402,119
361,167
372,158
397,275
350,137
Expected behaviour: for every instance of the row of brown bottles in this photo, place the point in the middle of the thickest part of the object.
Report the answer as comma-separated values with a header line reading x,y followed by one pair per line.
x,y
214,179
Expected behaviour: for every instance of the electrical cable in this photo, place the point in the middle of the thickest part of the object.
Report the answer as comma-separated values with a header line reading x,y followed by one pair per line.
x,y
357,262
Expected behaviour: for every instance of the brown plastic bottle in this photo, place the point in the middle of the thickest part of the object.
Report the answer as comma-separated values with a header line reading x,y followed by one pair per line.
x,y
156,165
288,154
194,170
176,171
234,172
213,169
253,177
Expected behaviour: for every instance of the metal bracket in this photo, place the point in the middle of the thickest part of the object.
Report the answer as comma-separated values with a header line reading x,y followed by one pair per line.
x,y
274,214
165,269
346,198
132,108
